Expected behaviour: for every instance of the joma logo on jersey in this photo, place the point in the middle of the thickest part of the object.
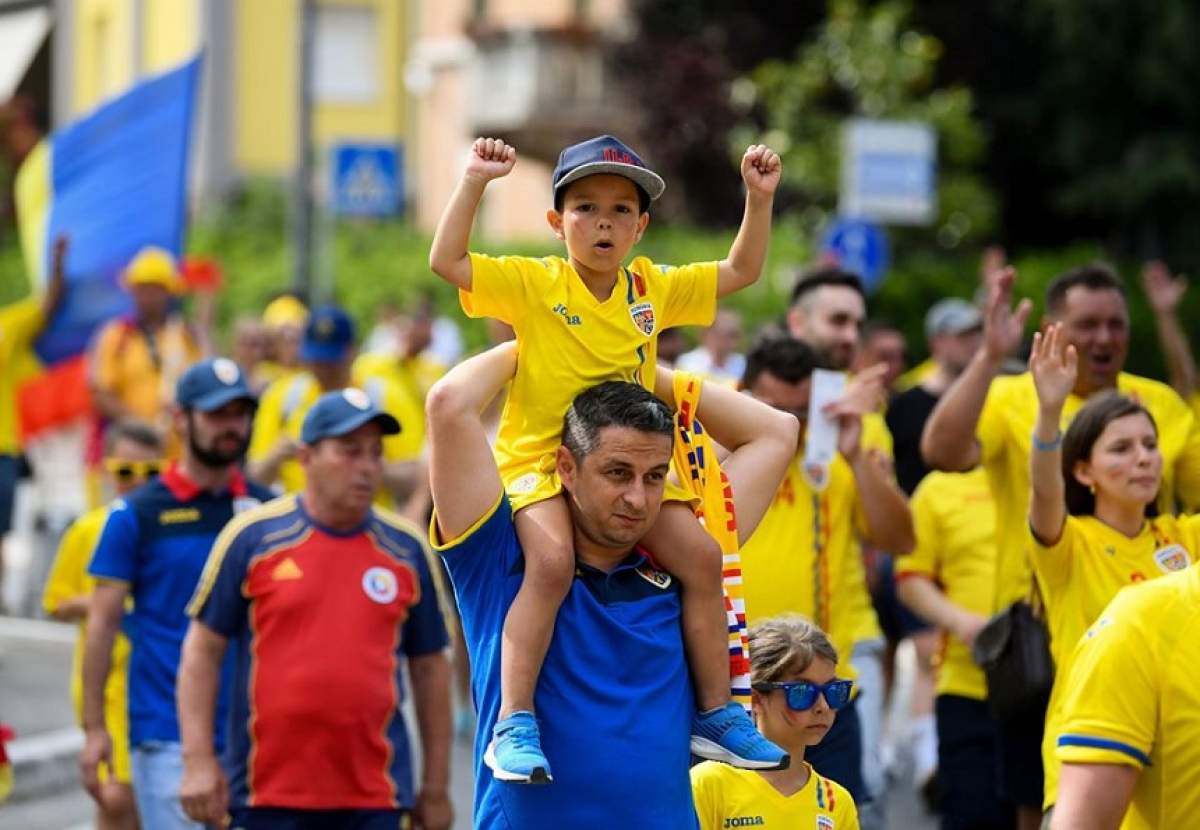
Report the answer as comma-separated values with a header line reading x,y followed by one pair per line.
x,y
745,821
824,823
571,319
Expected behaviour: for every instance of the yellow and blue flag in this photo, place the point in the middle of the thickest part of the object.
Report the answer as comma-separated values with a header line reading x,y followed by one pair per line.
x,y
113,182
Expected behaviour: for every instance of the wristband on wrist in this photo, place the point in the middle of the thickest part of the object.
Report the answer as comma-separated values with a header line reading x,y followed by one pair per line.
x,y
1047,446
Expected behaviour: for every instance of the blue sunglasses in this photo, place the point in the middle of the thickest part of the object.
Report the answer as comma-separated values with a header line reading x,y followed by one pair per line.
x,y
802,694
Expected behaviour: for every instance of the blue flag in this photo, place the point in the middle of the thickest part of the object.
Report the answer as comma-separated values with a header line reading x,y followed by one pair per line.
x,y
114,182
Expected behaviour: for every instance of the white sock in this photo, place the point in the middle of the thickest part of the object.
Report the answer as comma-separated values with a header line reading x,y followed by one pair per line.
x,y
924,747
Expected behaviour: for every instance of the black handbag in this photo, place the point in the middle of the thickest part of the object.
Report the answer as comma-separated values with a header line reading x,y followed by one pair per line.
x,y
1013,650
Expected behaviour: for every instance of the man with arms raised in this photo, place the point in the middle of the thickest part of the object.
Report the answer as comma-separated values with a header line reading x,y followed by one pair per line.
x,y
614,698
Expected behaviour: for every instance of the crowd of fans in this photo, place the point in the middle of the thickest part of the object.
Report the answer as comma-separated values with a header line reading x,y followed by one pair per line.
x,y
995,478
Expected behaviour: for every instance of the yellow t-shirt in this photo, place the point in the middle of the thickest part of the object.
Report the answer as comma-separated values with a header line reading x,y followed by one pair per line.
x,y
412,378
728,797
282,408
568,341
1004,431
1079,576
805,558
67,580
1133,698
19,324
143,379
915,376
955,520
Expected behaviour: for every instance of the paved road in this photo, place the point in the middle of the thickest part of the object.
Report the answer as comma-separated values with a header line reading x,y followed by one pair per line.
x,y
35,660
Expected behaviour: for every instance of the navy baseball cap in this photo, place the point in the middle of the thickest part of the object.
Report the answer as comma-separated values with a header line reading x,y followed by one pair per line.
x,y
341,412
210,384
605,154
328,335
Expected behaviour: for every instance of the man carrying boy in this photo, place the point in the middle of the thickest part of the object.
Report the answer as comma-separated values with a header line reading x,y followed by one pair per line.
x,y
614,697
580,321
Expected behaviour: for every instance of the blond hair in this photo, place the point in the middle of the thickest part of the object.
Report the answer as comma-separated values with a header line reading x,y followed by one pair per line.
x,y
786,643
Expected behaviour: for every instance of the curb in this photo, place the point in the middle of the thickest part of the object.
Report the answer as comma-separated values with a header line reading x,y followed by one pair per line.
x,y
45,763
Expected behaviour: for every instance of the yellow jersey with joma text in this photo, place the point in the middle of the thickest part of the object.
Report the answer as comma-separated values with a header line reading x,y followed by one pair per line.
x,y
1133,698
568,341
1081,573
727,797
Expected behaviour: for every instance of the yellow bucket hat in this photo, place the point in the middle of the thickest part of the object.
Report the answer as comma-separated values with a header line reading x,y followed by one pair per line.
x,y
153,266
285,311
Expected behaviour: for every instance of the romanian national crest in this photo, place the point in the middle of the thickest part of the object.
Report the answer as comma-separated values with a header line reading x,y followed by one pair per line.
x,y
1172,558
643,317
657,578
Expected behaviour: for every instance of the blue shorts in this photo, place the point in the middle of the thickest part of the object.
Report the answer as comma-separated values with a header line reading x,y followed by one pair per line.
x,y
282,818
10,471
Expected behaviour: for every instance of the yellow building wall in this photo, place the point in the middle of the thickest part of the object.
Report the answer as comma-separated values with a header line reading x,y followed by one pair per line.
x,y
170,33
265,86
103,66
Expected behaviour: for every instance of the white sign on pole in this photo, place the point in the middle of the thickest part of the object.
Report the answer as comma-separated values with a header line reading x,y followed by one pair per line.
x,y
889,171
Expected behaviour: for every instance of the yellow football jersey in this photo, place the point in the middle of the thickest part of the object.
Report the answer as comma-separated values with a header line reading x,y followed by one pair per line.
x,y
568,341
1004,431
728,797
1078,577
805,558
67,580
282,408
19,324
1133,698
955,520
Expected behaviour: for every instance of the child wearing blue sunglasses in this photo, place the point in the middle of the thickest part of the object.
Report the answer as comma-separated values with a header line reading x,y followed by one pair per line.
x,y
795,699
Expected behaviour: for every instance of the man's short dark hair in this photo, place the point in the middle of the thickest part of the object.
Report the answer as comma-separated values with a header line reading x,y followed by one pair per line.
x,y
133,431
1095,276
613,403
878,326
786,358
814,278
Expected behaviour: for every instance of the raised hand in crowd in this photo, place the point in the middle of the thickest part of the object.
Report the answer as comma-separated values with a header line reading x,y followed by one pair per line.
x,y
1164,293
1054,365
863,394
1003,325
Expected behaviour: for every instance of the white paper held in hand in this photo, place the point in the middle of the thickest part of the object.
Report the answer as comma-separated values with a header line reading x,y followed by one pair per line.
x,y
820,444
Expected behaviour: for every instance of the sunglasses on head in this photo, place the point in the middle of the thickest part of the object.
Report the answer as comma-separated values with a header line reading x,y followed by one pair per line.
x,y
802,694
130,470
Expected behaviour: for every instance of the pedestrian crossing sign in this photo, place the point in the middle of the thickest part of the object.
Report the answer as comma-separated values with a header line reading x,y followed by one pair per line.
x,y
368,179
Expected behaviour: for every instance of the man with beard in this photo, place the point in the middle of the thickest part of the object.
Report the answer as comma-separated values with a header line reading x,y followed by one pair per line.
x,y
153,550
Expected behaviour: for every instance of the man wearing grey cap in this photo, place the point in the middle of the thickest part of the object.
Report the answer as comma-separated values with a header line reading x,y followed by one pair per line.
x,y
321,598
953,330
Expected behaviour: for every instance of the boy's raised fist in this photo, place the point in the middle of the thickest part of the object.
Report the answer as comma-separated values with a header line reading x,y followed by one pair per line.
x,y
490,158
761,169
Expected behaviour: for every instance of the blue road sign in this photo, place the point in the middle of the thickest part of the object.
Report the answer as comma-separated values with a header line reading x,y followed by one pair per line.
x,y
368,180
859,246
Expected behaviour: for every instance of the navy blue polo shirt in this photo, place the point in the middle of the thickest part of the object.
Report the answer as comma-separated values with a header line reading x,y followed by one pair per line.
x,y
614,698
157,539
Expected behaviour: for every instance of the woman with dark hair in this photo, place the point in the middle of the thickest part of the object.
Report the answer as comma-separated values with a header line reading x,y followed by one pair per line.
x,y
1092,512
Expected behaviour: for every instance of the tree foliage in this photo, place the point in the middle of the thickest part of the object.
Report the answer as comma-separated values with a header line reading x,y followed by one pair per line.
x,y
870,61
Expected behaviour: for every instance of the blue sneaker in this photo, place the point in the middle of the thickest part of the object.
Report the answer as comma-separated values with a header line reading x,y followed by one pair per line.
x,y
727,734
515,753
